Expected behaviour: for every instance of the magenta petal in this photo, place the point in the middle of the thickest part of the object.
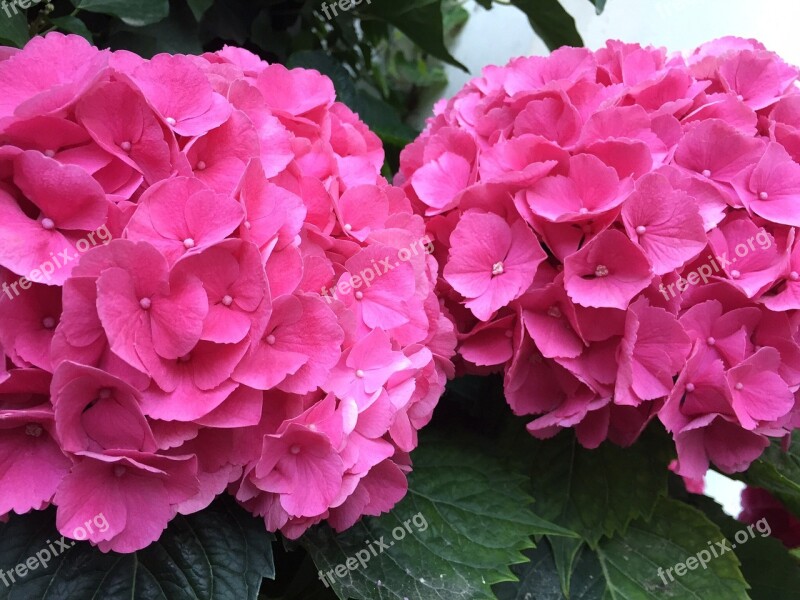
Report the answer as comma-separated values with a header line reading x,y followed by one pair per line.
x,y
607,272
120,313
491,263
759,393
177,320
438,182
665,223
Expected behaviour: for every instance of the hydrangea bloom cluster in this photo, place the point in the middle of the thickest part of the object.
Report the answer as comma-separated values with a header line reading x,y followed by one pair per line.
x,y
168,228
617,235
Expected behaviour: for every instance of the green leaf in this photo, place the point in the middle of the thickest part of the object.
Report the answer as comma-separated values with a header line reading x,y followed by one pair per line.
x,y
269,40
641,563
72,24
199,7
13,29
220,553
634,565
421,20
779,473
565,552
177,34
551,22
463,522
419,73
296,579
383,119
768,567
230,20
598,492
599,5
455,17
375,32
770,570
131,12
540,579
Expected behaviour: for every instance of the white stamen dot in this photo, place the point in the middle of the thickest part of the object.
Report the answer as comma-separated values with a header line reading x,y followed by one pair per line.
x,y
247,225
33,430
498,268
739,97
794,275
227,300
764,195
126,146
739,386
690,387
641,230
554,311
201,165
583,210
271,340
145,303
601,271
188,243
711,341
49,153
706,173
295,449
348,227
48,323
119,471
735,274
360,373
359,295
48,224
171,121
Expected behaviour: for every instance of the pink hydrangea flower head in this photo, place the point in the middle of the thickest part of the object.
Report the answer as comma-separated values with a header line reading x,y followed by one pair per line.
x,y
617,234
206,287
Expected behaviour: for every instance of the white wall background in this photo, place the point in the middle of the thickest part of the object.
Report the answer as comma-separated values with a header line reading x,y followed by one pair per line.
x,y
493,37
